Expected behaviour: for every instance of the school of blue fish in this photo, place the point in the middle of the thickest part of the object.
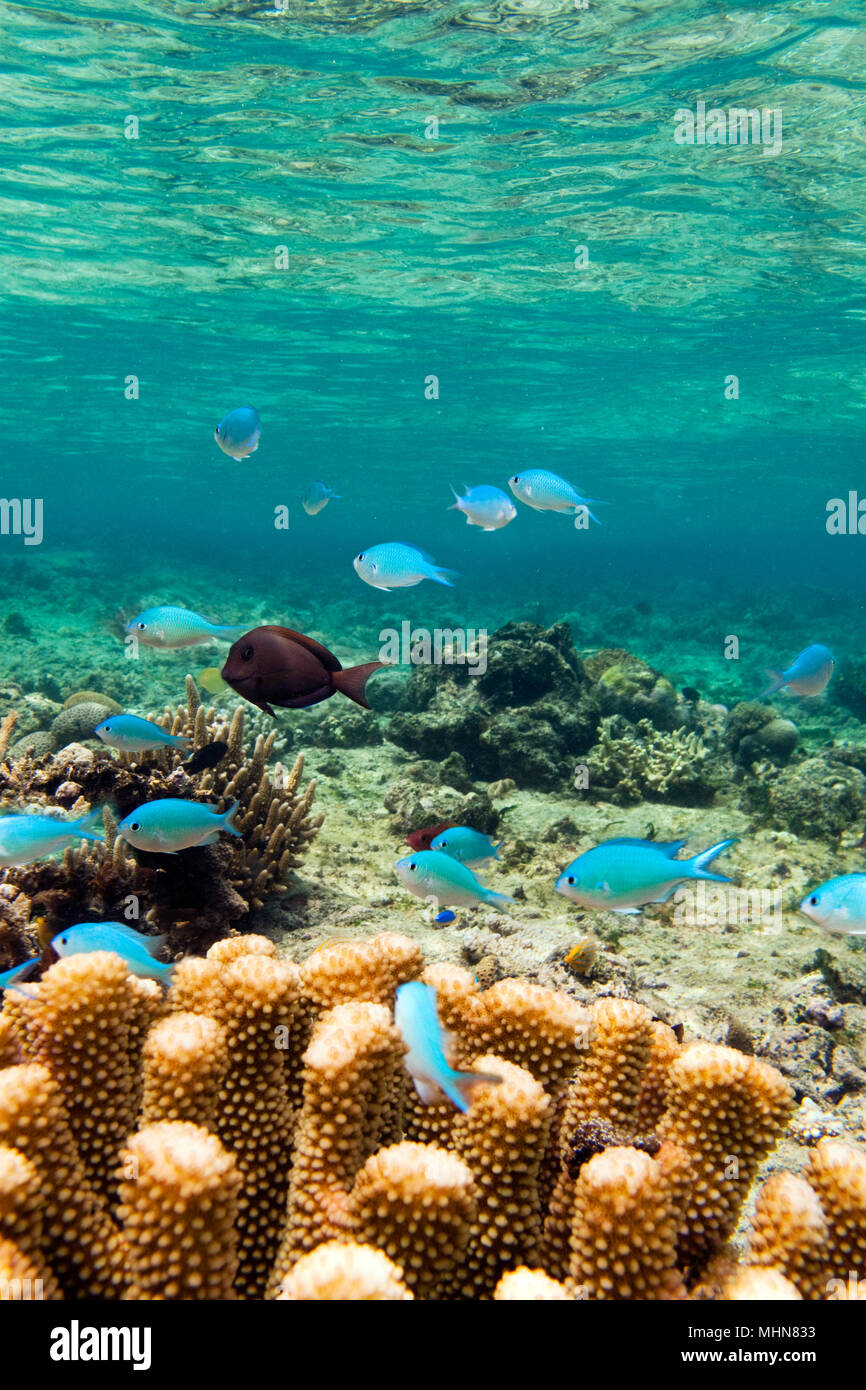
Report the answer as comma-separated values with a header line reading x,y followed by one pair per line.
x,y
620,875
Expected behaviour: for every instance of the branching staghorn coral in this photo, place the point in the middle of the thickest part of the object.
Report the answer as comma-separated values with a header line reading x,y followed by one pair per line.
x,y
644,763
253,1133
204,889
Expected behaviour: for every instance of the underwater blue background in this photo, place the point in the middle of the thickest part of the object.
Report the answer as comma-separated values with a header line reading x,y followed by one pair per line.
x,y
305,128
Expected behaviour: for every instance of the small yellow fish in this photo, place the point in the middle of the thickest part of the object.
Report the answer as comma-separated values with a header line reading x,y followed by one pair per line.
x,y
211,679
581,956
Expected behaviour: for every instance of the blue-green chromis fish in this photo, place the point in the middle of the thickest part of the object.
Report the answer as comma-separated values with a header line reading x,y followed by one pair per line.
x,y
394,565
484,506
808,674
547,492
171,628
25,838
469,846
623,875
9,978
132,734
239,433
170,825
134,948
839,905
317,496
417,1020
431,874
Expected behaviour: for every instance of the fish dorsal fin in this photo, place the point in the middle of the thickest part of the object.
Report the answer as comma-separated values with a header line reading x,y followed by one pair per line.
x,y
328,660
151,944
409,545
667,847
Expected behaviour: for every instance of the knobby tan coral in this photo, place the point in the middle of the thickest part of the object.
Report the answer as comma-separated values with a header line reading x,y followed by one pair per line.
x,y
185,1061
524,1285
178,1208
21,1277
85,1022
725,1111
607,1085
86,1252
369,970
502,1138
837,1174
758,1285
241,1140
253,998
344,1272
789,1233
416,1202
349,1070
626,1221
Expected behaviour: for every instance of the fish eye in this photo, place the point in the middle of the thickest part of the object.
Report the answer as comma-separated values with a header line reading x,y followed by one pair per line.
x,y
413,867
136,825
361,556
813,901
247,654
142,626
570,878
444,843
516,478
63,940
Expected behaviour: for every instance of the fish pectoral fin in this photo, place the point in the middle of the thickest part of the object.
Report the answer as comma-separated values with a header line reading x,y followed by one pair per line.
x,y
428,1092
668,893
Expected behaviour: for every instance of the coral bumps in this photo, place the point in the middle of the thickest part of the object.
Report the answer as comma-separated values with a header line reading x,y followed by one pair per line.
x,y
255,1134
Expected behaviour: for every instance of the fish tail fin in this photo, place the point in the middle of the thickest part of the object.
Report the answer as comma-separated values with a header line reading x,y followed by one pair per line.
x,y
584,507
698,865
34,997
230,630
776,679
440,575
491,897
456,503
497,848
84,826
351,683
459,1086
229,819
180,741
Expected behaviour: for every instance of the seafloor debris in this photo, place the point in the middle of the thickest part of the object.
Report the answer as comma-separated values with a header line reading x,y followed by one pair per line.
x,y
281,1150
213,886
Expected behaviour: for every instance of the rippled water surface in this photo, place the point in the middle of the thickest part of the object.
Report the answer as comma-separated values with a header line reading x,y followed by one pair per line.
x,y
327,204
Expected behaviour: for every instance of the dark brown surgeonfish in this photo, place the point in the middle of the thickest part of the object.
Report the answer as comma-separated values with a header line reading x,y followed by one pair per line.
x,y
277,666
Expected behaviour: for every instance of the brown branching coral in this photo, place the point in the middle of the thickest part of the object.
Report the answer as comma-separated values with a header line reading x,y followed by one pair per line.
x,y
247,1136
210,887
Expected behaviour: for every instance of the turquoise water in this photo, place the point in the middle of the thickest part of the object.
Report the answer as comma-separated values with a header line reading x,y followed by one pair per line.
x,y
307,129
